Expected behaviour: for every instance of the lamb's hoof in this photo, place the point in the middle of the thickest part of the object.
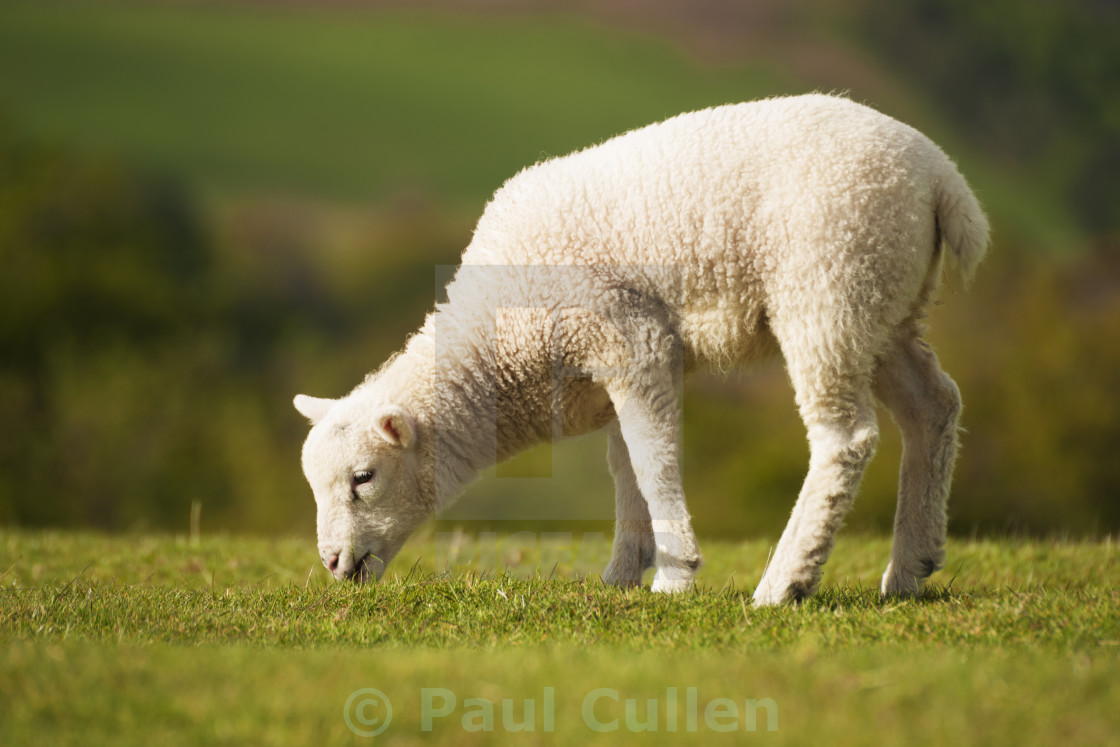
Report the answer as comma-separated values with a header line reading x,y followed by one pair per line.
x,y
629,559
898,583
616,574
772,595
905,579
671,585
765,597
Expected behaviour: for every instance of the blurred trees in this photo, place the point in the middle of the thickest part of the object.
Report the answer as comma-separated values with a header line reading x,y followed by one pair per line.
x,y
1037,83
1035,352
102,270
148,361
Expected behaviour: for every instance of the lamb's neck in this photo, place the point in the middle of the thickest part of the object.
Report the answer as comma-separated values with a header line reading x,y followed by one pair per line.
x,y
454,423
468,387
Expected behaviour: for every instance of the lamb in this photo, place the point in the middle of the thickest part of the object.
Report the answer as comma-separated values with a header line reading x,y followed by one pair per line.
x,y
808,226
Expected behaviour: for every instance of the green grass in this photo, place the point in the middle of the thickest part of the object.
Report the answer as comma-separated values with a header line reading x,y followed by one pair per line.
x,y
125,639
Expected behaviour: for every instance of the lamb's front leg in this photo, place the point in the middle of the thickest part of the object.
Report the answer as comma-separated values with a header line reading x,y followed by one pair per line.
x,y
633,549
648,422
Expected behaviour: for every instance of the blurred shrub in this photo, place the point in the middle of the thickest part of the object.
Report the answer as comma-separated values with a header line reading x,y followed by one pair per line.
x,y
105,287
91,252
1035,352
147,362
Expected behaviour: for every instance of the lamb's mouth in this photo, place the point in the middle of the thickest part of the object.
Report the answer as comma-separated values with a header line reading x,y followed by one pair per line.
x,y
363,569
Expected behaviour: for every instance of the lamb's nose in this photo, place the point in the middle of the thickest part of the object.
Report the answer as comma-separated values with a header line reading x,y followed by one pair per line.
x,y
332,562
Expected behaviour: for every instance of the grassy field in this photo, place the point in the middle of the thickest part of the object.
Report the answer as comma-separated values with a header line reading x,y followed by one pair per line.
x,y
129,639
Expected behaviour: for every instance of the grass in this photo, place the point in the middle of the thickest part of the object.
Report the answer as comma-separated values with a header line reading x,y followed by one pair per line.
x,y
122,639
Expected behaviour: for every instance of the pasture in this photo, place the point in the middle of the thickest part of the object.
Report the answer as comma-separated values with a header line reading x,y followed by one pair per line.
x,y
229,639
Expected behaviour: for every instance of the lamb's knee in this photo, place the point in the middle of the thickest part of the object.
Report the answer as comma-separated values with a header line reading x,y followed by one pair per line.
x,y
937,416
910,381
851,447
861,445
836,467
949,400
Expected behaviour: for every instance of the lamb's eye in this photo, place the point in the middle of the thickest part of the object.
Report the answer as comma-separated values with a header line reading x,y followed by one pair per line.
x,y
361,478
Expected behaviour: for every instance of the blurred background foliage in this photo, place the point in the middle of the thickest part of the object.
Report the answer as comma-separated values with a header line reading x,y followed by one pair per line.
x,y
206,208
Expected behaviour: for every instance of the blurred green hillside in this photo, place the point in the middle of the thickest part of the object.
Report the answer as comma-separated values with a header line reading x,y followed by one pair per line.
x,y
207,208
333,105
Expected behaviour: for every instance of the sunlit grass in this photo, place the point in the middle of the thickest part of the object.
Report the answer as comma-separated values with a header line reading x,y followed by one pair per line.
x,y
121,639
453,589
134,638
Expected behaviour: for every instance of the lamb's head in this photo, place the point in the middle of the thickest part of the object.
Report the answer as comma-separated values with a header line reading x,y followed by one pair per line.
x,y
363,462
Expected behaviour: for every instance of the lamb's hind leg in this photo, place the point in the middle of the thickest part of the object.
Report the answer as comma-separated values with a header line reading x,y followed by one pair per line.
x,y
926,404
633,549
842,438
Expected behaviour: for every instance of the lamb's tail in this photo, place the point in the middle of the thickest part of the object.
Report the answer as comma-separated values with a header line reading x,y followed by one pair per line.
x,y
961,223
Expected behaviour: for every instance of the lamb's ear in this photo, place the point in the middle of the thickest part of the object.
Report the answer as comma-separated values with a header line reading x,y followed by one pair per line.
x,y
313,408
395,426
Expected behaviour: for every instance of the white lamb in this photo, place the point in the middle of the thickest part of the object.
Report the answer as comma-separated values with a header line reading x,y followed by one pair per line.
x,y
810,226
